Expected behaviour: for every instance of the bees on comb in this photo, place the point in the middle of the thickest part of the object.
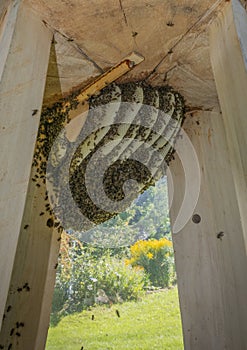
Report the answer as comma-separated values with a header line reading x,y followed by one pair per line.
x,y
133,125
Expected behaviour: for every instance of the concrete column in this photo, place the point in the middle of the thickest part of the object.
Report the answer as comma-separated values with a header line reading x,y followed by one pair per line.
x,y
24,254
210,252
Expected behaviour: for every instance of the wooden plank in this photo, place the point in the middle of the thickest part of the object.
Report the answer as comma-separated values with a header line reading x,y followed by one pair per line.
x,y
211,255
108,77
21,92
211,268
8,13
228,50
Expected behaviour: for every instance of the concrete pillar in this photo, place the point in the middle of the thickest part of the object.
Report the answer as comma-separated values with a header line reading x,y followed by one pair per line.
x,y
210,250
25,250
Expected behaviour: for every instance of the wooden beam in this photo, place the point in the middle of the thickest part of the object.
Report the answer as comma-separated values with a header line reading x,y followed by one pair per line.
x,y
228,50
108,77
8,13
210,254
21,94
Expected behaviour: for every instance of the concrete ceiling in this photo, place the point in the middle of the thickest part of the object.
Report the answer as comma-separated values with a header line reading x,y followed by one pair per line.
x,y
93,35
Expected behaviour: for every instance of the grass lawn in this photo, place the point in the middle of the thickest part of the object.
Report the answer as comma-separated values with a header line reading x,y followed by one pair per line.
x,y
152,323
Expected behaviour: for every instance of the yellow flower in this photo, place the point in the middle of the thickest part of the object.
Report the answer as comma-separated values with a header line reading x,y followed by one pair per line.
x,y
139,268
149,255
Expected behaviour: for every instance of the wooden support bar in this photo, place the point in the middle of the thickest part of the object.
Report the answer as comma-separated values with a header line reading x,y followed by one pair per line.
x,y
210,253
8,13
21,93
109,76
228,50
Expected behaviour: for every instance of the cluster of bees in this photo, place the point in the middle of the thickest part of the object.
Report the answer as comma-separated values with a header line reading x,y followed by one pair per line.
x,y
135,125
53,119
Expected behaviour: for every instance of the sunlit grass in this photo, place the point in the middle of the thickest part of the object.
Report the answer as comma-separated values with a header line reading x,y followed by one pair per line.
x,y
152,323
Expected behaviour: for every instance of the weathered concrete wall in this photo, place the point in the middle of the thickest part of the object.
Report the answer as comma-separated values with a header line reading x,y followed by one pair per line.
x,y
21,91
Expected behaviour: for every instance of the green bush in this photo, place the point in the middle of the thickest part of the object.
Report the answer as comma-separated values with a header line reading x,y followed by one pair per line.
x,y
84,275
119,281
156,258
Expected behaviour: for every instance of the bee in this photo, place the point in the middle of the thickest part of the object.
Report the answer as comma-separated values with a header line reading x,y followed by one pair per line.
x,y
9,308
118,313
60,229
220,235
50,222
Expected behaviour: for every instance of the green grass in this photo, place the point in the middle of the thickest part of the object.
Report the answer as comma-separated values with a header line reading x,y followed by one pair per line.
x,y
152,323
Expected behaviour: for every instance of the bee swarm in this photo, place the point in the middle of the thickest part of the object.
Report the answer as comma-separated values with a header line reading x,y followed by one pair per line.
x,y
131,115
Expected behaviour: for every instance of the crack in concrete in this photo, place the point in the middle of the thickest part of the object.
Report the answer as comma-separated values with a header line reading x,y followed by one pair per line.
x,y
199,20
124,14
76,46
83,53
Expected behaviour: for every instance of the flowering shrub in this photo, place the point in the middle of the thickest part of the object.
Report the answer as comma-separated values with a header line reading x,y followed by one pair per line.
x,y
156,258
119,282
85,277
